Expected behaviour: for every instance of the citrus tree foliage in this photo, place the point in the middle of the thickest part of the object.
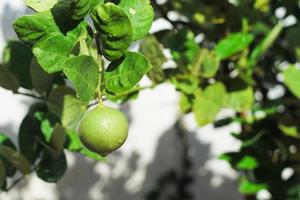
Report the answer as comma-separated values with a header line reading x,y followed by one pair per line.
x,y
232,54
68,65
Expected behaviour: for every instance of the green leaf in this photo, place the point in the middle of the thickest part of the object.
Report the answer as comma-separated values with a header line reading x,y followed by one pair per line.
x,y
141,15
51,169
262,5
28,132
231,157
249,188
123,74
52,51
240,161
41,81
55,99
185,53
185,103
73,111
265,44
291,131
123,97
30,28
80,8
233,44
292,80
208,103
40,5
8,80
152,50
58,138
84,73
92,155
210,65
187,84
9,168
114,28
74,144
48,122
247,163
240,100
16,158
17,58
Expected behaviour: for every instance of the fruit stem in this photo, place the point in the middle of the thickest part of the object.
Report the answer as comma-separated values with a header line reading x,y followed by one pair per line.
x,y
101,80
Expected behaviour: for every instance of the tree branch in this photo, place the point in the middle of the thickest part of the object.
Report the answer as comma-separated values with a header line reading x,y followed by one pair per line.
x,y
29,95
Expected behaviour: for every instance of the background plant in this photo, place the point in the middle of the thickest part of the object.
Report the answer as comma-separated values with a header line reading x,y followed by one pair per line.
x,y
226,54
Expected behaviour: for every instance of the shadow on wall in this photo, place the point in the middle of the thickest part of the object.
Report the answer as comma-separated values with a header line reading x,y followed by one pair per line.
x,y
174,174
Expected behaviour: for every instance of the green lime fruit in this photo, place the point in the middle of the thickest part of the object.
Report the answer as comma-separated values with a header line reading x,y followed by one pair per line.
x,y
103,130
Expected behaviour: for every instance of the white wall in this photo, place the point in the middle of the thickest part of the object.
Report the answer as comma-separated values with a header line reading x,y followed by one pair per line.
x,y
152,150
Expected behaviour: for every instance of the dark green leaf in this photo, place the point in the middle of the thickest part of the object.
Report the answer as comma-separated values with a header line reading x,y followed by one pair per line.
x,y
9,168
58,138
55,99
47,123
41,81
8,80
80,8
51,169
16,159
232,157
123,74
233,44
152,50
183,47
29,130
121,98
17,58
83,71
114,28
141,15
292,36
223,122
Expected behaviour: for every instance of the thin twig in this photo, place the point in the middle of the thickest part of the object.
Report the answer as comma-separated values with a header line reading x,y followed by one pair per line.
x,y
15,183
18,180
29,95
